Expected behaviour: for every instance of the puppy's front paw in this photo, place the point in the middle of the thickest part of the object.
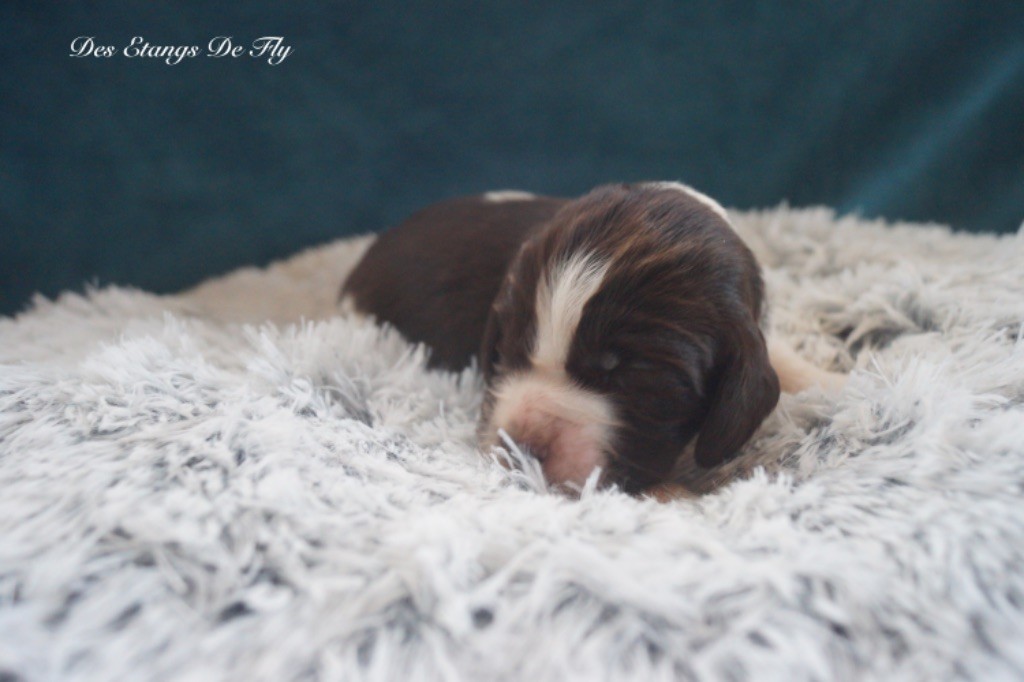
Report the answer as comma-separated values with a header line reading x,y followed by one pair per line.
x,y
668,492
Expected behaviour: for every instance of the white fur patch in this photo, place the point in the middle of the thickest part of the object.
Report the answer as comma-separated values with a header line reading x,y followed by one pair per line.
x,y
699,196
501,195
569,428
561,294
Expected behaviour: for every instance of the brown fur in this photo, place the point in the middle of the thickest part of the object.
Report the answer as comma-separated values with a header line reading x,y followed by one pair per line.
x,y
679,307
434,276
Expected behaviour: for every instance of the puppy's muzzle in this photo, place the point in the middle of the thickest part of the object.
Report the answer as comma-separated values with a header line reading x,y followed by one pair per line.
x,y
564,427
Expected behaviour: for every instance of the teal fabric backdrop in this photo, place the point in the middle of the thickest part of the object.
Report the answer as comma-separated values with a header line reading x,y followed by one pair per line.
x,y
132,171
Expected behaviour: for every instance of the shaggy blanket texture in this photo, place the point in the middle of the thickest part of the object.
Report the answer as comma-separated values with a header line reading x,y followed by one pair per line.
x,y
238,483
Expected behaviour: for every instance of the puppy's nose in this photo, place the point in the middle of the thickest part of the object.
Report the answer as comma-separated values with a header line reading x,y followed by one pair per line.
x,y
564,455
543,451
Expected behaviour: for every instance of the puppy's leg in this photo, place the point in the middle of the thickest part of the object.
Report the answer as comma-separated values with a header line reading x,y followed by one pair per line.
x,y
668,492
796,374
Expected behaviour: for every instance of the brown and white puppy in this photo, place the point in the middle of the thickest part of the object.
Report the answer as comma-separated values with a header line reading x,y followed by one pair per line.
x,y
611,330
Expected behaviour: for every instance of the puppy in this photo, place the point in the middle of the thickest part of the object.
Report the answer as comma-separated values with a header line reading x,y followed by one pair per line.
x,y
615,330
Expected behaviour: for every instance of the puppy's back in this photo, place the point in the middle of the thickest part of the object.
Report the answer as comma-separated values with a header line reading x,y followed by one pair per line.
x,y
434,276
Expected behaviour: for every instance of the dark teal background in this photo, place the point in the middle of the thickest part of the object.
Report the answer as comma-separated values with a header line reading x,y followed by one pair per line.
x,y
134,172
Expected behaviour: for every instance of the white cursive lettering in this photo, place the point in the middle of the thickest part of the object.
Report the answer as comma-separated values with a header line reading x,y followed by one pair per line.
x,y
271,47
85,46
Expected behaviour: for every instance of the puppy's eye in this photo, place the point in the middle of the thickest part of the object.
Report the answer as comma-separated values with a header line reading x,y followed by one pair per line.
x,y
608,361
641,365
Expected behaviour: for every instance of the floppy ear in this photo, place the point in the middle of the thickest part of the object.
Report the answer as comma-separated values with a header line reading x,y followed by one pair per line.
x,y
746,391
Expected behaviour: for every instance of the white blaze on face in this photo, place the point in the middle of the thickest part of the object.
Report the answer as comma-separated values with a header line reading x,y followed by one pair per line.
x,y
567,427
699,196
561,294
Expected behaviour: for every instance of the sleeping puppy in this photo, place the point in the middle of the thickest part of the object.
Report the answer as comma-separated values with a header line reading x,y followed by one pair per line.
x,y
619,330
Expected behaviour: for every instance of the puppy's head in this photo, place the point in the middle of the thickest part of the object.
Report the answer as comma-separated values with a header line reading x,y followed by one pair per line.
x,y
626,328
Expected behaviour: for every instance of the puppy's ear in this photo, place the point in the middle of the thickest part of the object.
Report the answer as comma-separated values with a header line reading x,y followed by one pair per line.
x,y
744,392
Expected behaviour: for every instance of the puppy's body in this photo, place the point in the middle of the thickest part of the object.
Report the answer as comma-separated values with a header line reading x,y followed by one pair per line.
x,y
612,330
435,275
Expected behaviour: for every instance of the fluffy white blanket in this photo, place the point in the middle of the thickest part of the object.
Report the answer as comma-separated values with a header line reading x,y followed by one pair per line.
x,y
204,487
